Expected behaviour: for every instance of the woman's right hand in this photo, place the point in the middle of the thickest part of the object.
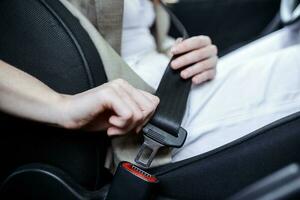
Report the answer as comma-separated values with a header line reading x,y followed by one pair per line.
x,y
115,106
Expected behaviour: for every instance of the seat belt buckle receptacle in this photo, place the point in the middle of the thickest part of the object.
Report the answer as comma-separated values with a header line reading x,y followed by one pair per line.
x,y
154,139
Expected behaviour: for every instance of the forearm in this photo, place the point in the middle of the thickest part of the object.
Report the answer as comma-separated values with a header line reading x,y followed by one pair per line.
x,y
115,106
25,96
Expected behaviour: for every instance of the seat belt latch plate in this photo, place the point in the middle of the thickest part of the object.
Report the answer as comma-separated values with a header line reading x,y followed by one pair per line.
x,y
154,139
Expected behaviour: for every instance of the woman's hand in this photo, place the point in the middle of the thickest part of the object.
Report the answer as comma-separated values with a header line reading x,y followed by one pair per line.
x,y
115,106
199,54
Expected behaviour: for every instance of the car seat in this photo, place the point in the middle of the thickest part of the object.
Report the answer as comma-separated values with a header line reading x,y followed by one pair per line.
x,y
43,39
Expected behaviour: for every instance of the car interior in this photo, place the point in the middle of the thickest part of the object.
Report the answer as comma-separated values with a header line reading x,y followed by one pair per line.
x,y
40,161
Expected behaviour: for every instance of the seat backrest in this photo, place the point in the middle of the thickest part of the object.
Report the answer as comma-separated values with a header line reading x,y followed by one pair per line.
x,y
43,39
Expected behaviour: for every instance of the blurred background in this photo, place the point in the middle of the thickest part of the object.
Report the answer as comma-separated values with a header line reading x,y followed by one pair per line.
x,y
230,23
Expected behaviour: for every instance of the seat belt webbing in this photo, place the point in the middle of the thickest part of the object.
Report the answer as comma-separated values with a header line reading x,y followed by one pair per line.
x,y
173,91
164,129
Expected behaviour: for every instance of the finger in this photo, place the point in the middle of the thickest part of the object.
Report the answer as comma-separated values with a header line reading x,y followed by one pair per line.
x,y
194,56
119,121
199,67
113,131
146,101
119,107
155,101
178,40
145,104
150,111
100,122
137,116
204,76
190,44
151,97
139,128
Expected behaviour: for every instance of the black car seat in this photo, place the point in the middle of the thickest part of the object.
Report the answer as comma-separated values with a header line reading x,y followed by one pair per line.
x,y
220,173
283,184
42,39
45,40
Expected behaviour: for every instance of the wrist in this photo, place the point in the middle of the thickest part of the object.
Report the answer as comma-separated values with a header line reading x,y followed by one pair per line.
x,y
62,110
73,111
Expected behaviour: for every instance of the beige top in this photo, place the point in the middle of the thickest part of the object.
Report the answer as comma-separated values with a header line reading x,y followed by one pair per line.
x,y
106,16
110,14
87,8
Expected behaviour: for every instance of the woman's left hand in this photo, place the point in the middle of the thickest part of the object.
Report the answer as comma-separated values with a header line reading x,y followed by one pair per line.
x,y
199,54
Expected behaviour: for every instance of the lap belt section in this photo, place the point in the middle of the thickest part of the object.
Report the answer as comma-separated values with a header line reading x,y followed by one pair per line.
x,y
164,129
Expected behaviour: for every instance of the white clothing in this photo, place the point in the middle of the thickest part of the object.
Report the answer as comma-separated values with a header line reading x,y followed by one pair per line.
x,y
254,86
138,17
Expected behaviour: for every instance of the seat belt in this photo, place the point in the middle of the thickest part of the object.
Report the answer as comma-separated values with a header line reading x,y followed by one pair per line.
x,y
164,129
290,11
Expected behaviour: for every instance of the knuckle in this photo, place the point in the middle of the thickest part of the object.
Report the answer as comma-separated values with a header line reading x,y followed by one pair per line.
x,y
184,45
128,116
115,83
147,111
152,109
206,39
200,54
199,40
117,80
138,116
120,81
107,91
199,37
156,101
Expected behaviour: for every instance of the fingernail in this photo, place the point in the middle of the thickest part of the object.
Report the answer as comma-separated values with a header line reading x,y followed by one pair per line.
x,y
174,64
184,74
178,41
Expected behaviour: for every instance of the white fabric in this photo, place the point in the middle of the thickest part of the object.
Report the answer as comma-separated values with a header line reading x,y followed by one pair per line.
x,y
138,17
254,86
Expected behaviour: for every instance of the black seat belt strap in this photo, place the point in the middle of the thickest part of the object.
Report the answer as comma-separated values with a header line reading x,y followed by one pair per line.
x,y
164,129
173,92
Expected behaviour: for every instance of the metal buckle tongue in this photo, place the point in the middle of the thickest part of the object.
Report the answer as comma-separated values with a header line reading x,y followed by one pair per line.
x,y
155,138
